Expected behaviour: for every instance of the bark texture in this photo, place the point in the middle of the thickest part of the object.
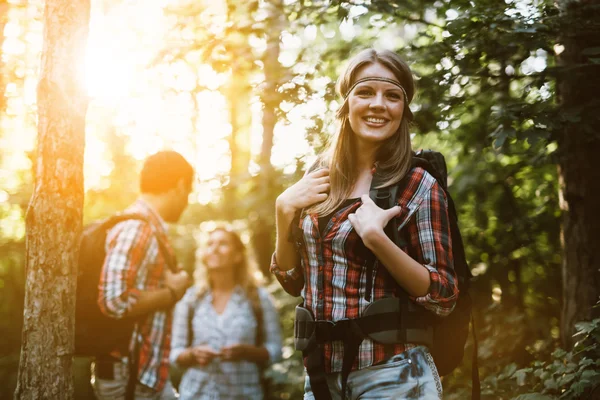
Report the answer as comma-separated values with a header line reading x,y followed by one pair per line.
x,y
579,171
54,216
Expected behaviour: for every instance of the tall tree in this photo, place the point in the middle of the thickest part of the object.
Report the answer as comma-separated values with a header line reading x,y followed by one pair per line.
x,y
273,71
238,93
264,224
579,146
54,216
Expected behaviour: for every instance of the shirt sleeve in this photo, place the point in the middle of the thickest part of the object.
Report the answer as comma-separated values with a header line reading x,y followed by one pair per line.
x,y
126,252
271,327
291,280
431,245
180,333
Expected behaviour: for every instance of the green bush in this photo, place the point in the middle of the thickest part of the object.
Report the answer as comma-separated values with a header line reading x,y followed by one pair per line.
x,y
572,375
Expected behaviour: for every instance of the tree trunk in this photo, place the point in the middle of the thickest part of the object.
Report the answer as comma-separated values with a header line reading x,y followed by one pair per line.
x,y
579,173
269,96
54,216
264,225
239,97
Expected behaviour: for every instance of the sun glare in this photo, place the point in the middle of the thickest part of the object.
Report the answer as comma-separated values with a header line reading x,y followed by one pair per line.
x,y
157,105
109,72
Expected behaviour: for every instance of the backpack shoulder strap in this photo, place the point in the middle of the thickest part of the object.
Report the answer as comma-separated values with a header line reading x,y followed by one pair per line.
x,y
386,198
192,310
255,303
434,163
111,222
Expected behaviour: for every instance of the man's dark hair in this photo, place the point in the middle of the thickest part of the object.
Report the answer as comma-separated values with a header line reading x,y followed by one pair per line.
x,y
162,171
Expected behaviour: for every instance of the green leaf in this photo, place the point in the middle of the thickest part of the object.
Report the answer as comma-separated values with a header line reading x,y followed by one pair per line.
x,y
589,374
500,137
586,327
585,362
551,384
521,376
578,387
559,353
565,379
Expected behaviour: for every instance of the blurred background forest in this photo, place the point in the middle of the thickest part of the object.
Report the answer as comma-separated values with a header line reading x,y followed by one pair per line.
x,y
245,90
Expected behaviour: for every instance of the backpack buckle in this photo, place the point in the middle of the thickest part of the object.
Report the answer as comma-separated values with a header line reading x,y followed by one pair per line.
x,y
324,331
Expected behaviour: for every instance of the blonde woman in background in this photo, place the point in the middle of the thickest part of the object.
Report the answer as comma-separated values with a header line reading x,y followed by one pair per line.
x,y
226,328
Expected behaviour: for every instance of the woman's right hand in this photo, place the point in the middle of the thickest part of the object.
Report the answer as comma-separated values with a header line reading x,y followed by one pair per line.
x,y
203,354
312,188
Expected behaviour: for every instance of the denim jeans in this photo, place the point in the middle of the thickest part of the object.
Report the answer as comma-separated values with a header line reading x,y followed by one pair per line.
x,y
408,376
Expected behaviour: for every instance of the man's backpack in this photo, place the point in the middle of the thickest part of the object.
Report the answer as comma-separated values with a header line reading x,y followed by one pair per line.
x,y
95,333
450,333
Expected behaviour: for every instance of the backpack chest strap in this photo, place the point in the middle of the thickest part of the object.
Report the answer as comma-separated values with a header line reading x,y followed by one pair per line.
x,y
382,322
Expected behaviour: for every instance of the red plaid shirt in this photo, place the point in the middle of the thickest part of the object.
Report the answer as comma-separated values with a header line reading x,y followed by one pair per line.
x,y
133,264
331,276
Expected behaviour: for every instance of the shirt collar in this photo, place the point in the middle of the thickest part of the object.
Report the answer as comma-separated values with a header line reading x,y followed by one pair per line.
x,y
148,210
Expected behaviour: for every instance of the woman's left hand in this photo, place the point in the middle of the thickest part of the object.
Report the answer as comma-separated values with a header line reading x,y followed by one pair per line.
x,y
236,352
369,220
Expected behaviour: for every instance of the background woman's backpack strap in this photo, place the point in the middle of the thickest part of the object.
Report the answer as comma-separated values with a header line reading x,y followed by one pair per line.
x,y
257,310
259,315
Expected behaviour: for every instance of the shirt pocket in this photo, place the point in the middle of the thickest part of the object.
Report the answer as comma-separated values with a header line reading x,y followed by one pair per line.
x,y
408,209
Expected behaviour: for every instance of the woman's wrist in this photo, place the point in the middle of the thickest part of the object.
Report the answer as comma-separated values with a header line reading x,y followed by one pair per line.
x,y
249,353
372,237
174,296
186,357
284,209
190,358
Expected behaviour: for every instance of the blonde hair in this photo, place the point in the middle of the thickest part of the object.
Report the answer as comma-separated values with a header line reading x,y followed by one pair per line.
x,y
245,275
393,158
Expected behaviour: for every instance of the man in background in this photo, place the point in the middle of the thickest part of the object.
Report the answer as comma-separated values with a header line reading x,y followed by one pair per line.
x,y
138,283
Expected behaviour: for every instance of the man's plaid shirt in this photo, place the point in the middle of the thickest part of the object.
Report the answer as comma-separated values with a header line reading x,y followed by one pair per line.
x,y
331,275
133,264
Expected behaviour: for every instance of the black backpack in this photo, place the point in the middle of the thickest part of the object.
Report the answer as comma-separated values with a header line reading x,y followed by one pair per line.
x,y
95,333
450,333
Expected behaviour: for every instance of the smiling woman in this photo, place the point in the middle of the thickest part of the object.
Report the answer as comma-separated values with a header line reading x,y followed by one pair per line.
x,y
359,268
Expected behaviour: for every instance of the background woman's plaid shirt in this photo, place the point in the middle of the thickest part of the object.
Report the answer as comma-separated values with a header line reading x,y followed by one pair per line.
x,y
133,264
332,276
236,325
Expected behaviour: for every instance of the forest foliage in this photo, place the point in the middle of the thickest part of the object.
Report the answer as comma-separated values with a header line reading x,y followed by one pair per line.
x,y
487,98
